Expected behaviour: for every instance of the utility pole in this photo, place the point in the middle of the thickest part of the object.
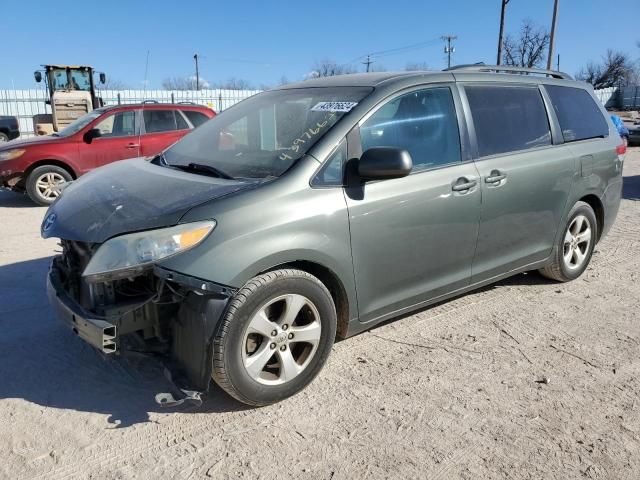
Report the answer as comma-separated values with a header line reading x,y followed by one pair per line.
x,y
553,34
195,57
501,34
368,62
448,49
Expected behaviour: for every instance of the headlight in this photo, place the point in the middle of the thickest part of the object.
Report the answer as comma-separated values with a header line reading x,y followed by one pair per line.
x,y
132,253
11,154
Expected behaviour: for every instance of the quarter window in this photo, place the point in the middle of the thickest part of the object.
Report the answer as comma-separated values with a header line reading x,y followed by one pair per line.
x,y
578,115
120,124
196,118
159,121
422,122
508,119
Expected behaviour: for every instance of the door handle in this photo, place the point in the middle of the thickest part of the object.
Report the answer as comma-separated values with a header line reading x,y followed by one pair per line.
x,y
463,184
496,176
132,145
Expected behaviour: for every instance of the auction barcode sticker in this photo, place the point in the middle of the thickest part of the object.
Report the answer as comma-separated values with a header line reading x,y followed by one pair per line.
x,y
333,106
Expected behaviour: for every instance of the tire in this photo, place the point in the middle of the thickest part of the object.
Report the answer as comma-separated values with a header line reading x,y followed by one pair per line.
x,y
43,183
240,350
3,137
574,247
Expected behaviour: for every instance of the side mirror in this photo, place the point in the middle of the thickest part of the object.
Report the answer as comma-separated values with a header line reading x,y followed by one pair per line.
x,y
380,163
38,76
91,134
103,78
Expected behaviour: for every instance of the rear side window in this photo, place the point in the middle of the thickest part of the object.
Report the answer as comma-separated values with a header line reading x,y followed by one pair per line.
x,y
196,118
159,121
508,119
181,123
578,115
422,122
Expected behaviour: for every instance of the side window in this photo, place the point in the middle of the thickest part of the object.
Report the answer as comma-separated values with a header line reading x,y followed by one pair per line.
x,y
196,118
508,119
423,122
332,172
578,115
120,124
181,123
159,121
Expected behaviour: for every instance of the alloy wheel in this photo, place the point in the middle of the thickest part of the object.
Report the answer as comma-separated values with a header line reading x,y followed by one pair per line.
x,y
577,241
49,185
281,339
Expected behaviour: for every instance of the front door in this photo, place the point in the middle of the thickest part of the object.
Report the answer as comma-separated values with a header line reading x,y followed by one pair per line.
x,y
525,179
414,238
119,140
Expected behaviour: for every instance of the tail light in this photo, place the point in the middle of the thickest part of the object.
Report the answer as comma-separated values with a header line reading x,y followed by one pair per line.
x,y
621,149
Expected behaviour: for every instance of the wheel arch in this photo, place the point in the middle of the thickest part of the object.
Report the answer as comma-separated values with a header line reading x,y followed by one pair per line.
x,y
51,161
330,280
596,204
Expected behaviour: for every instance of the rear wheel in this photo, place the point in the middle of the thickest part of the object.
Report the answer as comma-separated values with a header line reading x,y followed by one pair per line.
x,y
3,137
575,246
45,183
275,337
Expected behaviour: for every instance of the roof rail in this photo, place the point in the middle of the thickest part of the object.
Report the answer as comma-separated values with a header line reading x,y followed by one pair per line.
x,y
479,67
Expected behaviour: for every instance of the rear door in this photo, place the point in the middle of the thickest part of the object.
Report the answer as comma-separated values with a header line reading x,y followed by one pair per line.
x,y
119,140
413,238
161,128
525,179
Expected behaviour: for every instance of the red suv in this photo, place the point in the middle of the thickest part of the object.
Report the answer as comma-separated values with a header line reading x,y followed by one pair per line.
x,y
40,165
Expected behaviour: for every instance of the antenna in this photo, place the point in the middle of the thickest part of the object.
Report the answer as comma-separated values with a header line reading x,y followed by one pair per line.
x,y
144,97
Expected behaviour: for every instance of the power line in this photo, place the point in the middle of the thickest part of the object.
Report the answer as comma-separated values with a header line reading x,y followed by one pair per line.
x,y
449,49
394,51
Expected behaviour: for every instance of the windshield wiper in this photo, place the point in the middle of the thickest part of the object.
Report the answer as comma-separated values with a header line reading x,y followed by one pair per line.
x,y
202,168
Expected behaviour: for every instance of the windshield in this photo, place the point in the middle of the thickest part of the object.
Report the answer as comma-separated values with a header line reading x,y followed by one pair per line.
x,y
80,123
69,79
265,135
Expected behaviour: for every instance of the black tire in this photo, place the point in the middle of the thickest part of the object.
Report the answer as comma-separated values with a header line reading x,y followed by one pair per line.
x,y
32,188
559,269
229,371
3,137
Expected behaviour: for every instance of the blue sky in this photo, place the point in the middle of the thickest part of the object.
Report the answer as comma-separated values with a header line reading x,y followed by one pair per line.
x,y
262,41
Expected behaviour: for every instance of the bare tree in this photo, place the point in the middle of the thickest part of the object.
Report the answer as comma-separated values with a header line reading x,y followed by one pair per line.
x,y
528,50
235,84
329,68
615,69
184,83
113,84
416,66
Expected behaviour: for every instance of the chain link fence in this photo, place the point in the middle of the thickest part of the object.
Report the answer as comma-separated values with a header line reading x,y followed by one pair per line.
x,y
24,104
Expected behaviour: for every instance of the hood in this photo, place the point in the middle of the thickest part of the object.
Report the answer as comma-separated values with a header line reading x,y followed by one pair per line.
x,y
129,196
23,142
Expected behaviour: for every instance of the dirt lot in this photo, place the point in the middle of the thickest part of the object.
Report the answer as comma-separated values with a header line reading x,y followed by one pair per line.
x,y
454,391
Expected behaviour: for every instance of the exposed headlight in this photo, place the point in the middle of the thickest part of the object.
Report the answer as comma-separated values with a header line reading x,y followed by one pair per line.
x,y
11,154
132,253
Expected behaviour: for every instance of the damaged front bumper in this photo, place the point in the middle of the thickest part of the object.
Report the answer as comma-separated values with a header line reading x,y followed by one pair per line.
x,y
178,321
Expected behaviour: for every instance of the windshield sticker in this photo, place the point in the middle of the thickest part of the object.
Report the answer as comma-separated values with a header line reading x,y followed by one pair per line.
x,y
334,106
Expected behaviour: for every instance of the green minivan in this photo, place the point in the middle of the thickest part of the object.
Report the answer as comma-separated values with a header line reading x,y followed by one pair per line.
x,y
323,208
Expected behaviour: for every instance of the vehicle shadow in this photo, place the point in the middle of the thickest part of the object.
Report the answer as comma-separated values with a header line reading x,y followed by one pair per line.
x,y
631,188
11,199
521,279
43,362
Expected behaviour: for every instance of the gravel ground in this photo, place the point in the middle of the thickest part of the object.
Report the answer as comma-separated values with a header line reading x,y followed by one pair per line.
x,y
454,391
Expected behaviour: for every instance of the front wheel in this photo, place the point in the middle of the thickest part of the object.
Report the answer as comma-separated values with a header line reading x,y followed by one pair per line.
x,y
275,337
45,183
575,245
